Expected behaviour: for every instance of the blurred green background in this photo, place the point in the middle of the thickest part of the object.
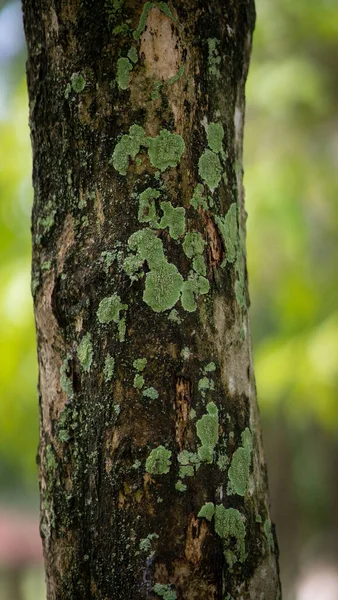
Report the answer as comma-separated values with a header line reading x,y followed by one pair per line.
x,y
291,164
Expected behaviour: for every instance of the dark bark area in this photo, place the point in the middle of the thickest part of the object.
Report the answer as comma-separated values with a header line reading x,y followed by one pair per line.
x,y
152,476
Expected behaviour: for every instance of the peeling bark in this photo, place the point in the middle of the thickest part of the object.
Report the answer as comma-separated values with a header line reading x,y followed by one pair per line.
x,y
152,476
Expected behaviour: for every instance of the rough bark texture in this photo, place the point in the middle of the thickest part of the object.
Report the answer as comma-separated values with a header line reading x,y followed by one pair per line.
x,y
153,482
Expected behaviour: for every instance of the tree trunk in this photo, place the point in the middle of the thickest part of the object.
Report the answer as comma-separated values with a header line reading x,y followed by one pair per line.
x,y
152,477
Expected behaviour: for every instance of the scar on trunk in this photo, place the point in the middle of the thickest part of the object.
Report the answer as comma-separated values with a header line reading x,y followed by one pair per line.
x,y
182,407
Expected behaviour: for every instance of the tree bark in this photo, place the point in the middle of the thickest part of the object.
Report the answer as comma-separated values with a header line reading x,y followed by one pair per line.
x,y
152,476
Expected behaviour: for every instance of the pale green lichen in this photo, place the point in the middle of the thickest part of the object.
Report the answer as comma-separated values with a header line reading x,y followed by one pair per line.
x,y
165,591
205,384
177,76
133,55
128,146
191,289
165,150
148,247
85,352
51,463
189,463
268,534
110,308
158,461
150,393
78,83
185,353
140,364
210,169
207,432
228,228
122,329
147,209
210,367
65,379
124,66
156,91
198,198
174,317
136,464
230,527
173,218
214,59
239,470
145,544
193,244
138,381
180,486
116,409
192,414
163,287
223,462
215,134
109,366
207,511
258,519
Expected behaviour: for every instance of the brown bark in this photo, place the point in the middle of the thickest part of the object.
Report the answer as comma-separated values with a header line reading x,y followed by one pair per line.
x,y
152,476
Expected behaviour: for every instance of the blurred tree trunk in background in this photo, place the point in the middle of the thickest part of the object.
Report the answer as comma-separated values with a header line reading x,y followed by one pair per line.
x,y
152,475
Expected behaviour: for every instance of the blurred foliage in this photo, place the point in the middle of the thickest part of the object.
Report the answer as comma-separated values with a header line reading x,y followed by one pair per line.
x,y
291,159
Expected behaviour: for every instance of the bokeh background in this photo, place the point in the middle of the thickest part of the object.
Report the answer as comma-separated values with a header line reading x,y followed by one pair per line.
x,y
291,165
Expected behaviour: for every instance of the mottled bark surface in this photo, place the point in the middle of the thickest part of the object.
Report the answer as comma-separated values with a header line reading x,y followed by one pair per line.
x,y
153,482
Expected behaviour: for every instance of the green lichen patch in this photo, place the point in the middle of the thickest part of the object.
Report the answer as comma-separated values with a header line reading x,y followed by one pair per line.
x,y
163,287
109,367
204,385
191,289
185,353
138,381
148,247
158,461
65,380
145,544
174,317
215,135
180,486
140,364
214,58
147,209
77,82
193,244
150,393
229,231
210,367
268,534
198,198
176,77
239,470
155,94
51,463
210,169
128,146
165,591
189,463
207,432
223,462
165,150
85,352
110,308
230,527
173,218
132,266
124,66
207,511
122,329
133,55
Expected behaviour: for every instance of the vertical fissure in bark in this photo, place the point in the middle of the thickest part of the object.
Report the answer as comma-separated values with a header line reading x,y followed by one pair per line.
x,y
152,476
